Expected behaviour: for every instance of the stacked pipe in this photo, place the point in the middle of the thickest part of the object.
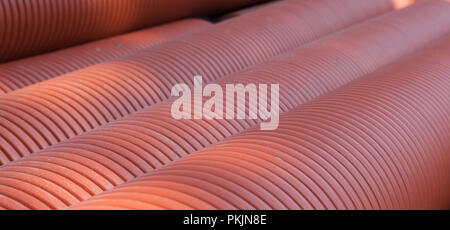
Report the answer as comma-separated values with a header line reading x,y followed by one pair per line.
x,y
25,72
120,151
378,143
34,27
49,112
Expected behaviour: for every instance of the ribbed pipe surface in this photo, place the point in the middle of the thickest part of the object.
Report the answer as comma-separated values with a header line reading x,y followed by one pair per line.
x,y
25,72
33,27
46,113
378,143
120,151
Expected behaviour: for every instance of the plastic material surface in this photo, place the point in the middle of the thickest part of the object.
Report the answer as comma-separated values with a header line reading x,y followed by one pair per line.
x,y
99,160
379,143
49,112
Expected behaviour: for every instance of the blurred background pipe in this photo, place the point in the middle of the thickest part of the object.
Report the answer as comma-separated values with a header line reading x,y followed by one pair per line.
x,y
29,27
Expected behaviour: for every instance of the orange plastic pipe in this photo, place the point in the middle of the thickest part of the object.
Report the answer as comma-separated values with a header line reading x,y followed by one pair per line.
x,y
379,143
49,112
397,4
34,27
29,71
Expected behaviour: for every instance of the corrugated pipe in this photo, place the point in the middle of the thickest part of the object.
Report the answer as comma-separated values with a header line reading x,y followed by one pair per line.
x,y
379,143
97,161
34,27
29,71
49,112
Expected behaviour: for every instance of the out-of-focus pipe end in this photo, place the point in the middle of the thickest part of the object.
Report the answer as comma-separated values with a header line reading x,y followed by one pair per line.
x,y
399,4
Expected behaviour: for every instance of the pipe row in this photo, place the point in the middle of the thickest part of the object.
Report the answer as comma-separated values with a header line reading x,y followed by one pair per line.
x,y
49,112
378,143
89,164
